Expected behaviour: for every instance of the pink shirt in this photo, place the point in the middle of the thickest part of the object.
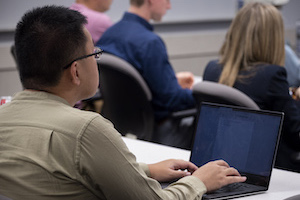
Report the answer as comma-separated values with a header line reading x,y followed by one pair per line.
x,y
97,22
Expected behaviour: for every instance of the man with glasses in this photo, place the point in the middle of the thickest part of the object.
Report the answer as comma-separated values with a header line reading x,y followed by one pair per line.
x,y
50,150
133,39
97,53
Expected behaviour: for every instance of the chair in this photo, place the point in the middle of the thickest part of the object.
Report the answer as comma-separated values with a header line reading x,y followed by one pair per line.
x,y
219,93
127,98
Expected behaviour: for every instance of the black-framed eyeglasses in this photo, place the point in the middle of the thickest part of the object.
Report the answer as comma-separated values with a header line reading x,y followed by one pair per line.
x,y
97,53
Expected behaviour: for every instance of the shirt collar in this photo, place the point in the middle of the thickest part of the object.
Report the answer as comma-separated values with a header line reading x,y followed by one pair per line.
x,y
30,94
133,17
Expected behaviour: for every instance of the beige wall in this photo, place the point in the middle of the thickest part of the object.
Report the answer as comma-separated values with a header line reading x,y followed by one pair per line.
x,y
192,51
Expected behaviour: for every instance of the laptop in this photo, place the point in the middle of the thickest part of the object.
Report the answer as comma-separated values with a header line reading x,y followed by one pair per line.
x,y
246,139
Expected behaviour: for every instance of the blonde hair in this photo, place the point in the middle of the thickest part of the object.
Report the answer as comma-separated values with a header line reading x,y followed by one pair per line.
x,y
256,35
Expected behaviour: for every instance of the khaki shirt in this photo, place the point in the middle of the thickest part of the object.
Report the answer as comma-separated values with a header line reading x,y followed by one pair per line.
x,y
49,150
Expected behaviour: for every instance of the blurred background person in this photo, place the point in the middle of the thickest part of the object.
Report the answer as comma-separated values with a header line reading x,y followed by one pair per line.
x,y
94,10
133,40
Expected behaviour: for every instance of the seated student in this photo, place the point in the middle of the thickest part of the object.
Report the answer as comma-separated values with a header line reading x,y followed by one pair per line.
x,y
50,150
133,39
98,22
251,60
292,62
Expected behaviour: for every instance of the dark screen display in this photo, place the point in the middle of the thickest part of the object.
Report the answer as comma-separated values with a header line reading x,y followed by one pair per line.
x,y
245,139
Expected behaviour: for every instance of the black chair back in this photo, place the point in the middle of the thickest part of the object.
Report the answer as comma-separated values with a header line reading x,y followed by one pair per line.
x,y
127,98
218,93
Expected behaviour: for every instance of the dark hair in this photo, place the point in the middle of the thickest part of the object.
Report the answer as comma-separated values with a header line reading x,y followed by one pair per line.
x,y
46,39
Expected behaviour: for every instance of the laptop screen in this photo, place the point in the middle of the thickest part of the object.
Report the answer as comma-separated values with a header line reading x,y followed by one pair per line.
x,y
246,139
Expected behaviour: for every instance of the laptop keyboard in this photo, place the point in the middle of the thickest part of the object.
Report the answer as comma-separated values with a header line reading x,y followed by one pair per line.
x,y
233,187
232,190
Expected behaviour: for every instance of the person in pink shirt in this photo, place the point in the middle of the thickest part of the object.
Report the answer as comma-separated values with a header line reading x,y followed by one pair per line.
x,y
94,10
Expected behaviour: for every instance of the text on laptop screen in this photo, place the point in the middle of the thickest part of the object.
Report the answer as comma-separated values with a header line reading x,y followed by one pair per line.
x,y
244,139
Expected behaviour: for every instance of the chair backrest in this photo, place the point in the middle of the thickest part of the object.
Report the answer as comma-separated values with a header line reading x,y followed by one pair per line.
x,y
127,98
219,93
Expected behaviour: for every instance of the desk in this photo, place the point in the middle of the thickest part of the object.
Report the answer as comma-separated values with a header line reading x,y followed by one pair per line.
x,y
283,183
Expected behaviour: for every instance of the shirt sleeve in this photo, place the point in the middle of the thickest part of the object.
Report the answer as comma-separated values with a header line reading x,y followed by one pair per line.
x,y
160,77
145,168
109,169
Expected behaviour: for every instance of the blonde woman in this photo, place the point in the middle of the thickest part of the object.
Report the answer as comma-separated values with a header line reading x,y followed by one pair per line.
x,y
251,60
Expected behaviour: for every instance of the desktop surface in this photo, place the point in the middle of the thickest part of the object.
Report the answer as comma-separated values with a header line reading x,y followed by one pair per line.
x,y
284,184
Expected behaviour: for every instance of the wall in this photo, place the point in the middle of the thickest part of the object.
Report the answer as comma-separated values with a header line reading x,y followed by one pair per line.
x,y
187,10
193,31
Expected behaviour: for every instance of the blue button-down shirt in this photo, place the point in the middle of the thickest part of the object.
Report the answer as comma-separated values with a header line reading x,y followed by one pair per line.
x,y
133,39
292,65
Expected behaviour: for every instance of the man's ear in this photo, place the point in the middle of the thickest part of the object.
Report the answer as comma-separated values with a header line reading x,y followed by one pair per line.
x,y
74,74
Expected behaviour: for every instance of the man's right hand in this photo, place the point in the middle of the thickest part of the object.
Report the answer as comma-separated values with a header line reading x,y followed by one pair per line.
x,y
217,174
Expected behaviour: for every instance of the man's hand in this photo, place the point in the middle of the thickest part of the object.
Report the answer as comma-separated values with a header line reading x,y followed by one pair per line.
x,y
217,174
172,169
185,79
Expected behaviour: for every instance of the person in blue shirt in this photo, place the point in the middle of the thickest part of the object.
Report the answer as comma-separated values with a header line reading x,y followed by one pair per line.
x,y
133,39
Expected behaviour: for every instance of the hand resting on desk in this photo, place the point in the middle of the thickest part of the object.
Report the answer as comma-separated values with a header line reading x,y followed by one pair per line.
x,y
214,175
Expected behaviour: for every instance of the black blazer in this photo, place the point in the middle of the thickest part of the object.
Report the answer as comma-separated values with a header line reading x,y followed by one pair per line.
x,y
267,85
